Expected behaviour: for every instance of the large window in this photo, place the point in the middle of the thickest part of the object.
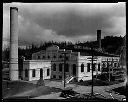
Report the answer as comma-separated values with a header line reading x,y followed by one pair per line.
x,y
82,67
54,76
104,64
99,67
33,72
48,71
60,56
26,72
60,67
54,67
41,72
60,77
43,57
48,56
88,67
67,67
94,66
115,64
54,56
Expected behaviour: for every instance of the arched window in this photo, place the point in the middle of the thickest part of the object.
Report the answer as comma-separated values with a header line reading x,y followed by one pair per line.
x,y
99,67
43,57
38,57
54,56
54,67
41,73
33,72
94,66
48,57
60,56
88,67
60,67
74,69
67,67
103,65
74,65
82,67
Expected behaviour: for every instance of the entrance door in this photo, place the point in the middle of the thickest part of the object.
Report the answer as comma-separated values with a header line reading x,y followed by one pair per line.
x,y
41,73
74,69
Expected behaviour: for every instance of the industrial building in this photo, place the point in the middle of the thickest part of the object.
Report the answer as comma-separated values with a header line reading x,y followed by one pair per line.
x,y
78,64
49,63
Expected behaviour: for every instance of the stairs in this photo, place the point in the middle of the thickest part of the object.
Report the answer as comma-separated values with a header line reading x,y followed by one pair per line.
x,y
68,79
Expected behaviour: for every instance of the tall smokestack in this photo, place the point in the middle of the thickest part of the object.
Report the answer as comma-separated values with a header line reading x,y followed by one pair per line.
x,y
99,38
13,43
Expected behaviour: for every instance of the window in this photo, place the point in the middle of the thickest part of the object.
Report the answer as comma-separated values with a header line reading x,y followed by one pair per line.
x,y
26,72
104,65
94,66
38,57
60,77
60,67
48,57
66,58
43,57
48,72
60,56
115,64
54,76
54,67
67,67
82,67
54,56
41,73
99,67
33,72
88,67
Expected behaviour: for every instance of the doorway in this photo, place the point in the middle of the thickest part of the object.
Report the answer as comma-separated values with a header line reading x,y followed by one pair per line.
x,y
74,69
41,73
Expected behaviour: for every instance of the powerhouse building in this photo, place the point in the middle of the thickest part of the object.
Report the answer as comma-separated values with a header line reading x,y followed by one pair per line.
x,y
78,64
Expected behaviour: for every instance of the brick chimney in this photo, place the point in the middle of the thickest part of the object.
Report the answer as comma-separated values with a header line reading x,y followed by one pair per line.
x,y
99,38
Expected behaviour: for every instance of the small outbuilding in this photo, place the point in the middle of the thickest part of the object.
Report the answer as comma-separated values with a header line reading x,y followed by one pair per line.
x,y
35,69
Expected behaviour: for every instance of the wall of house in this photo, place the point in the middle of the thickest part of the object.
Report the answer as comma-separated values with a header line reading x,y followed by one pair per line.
x,y
37,65
85,75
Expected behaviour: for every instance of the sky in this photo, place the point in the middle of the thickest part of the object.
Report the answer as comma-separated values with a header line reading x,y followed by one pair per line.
x,y
39,22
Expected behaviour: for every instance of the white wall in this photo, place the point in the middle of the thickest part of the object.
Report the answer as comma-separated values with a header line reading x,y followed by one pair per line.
x,y
37,65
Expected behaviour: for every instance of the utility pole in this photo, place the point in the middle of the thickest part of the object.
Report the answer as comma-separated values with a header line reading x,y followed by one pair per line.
x,y
108,69
92,71
64,67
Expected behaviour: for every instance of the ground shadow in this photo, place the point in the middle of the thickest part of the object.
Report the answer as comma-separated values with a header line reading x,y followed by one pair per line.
x,y
121,90
97,82
22,87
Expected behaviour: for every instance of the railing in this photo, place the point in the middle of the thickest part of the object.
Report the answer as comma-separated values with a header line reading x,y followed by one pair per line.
x,y
68,79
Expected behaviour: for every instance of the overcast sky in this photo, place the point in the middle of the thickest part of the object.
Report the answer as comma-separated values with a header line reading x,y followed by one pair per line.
x,y
65,21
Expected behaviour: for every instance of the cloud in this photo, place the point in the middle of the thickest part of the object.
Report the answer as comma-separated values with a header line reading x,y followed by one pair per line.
x,y
67,21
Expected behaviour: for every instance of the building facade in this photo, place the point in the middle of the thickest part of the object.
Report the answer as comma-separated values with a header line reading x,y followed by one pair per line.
x,y
35,69
78,64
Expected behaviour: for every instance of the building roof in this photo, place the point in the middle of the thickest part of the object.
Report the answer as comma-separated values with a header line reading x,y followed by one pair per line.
x,y
88,52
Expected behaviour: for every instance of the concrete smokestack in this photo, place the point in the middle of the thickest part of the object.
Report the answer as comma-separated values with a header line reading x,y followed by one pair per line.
x,y
13,43
99,38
